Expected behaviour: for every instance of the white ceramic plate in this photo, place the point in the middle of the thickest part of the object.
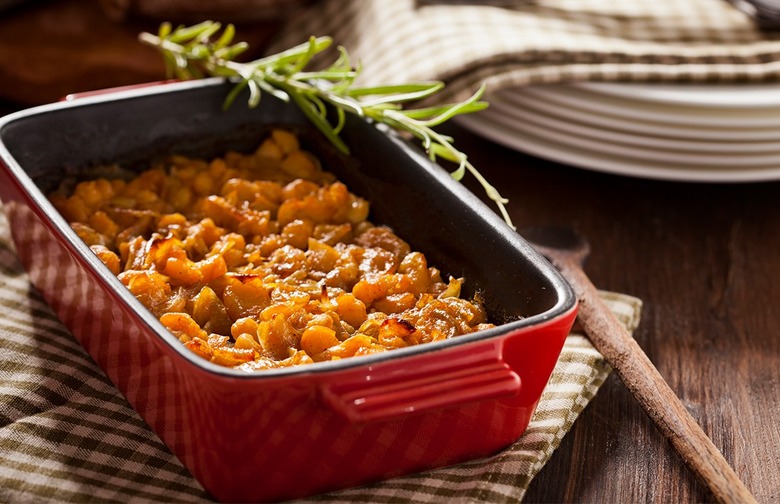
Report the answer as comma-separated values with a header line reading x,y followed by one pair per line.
x,y
749,95
529,115
599,120
661,156
666,113
596,160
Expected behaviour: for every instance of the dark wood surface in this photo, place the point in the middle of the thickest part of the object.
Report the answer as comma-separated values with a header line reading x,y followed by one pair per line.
x,y
704,258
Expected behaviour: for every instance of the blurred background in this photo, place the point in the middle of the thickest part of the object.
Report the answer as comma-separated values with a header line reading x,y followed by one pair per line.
x,y
50,48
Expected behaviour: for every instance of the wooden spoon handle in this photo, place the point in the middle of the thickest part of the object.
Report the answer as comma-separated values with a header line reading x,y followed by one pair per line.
x,y
651,390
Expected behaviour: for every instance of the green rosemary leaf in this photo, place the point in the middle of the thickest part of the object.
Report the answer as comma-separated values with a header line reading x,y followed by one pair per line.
x,y
291,55
226,38
458,108
382,107
254,93
223,72
230,52
395,89
446,138
186,34
351,72
322,109
328,92
343,61
165,30
440,151
304,58
346,104
233,94
199,52
329,75
204,36
396,120
268,88
440,110
401,97
460,172
342,119
311,112
180,61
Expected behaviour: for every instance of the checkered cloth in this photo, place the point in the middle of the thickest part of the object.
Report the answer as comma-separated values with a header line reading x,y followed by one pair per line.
x,y
67,435
506,43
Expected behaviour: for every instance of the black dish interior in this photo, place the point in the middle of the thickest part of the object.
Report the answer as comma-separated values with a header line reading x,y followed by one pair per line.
x,y
419,200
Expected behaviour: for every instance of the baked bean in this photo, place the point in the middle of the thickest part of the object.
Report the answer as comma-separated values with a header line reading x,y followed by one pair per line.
x,y
264,260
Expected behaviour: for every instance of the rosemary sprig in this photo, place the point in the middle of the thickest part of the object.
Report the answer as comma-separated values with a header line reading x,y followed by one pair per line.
x,y
192,52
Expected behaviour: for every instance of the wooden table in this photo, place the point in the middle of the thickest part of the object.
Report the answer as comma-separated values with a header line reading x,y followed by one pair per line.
x,y
703,257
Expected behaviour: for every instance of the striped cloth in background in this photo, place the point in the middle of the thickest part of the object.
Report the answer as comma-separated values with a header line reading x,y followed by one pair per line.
x,y
507,43
67,435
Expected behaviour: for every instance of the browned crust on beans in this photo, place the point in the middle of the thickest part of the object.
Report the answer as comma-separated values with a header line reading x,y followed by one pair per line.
x,y
264,260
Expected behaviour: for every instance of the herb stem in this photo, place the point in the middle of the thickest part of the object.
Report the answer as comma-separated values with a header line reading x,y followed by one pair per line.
x,y
190,53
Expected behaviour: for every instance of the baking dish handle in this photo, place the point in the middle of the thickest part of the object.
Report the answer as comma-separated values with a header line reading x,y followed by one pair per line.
x,y
386,394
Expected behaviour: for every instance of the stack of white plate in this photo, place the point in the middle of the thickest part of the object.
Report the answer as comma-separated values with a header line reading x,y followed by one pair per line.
x,y
675,132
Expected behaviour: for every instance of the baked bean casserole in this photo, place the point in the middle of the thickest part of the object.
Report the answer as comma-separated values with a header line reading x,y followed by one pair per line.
x,y
264,260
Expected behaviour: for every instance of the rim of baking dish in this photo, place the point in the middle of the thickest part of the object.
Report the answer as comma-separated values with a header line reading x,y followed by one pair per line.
x,y
565,304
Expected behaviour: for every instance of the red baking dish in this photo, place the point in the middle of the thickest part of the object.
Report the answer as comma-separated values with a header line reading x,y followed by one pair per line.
x,y
286,433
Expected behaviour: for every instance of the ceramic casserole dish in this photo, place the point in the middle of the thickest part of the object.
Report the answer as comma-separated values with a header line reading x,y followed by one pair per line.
x,y
291,432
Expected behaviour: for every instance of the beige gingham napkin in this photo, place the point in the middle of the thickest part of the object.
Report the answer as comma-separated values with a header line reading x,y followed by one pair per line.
x,y
508,43
67,435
